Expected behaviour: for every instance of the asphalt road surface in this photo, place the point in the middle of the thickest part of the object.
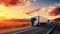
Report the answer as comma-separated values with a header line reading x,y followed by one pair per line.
x,y
43,29
56,30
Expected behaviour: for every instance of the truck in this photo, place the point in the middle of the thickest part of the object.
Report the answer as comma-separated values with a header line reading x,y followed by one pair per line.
x,y
40,20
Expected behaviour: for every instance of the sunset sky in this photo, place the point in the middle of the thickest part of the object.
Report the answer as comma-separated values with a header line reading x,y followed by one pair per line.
x,y
27,8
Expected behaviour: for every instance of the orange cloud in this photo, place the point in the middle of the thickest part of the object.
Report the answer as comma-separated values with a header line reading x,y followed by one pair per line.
x,y
55,11
33,11
14,2
50,12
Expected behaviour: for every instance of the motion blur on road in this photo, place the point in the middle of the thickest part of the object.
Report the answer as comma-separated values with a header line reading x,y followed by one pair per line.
x,y
51,28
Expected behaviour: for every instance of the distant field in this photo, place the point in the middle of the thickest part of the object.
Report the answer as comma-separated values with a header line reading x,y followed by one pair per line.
x,y
13,24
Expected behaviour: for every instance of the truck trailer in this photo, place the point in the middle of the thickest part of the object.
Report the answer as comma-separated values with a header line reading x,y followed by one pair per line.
x,y
39,20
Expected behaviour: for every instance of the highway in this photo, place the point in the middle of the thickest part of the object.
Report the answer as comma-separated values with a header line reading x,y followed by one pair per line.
x,y
43,29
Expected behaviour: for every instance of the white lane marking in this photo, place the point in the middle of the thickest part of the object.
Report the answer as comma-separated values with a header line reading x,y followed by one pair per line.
x,y
51,29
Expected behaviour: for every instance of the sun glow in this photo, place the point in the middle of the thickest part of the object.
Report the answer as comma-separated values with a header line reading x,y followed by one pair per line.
x,y
14,11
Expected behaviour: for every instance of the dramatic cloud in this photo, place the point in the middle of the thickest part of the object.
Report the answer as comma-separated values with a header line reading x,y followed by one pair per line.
x,y
55,11
50,11
33,11
14,2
